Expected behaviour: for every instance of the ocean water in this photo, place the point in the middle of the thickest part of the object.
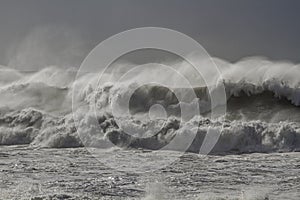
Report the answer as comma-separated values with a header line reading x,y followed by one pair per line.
x,y
69,137
73,173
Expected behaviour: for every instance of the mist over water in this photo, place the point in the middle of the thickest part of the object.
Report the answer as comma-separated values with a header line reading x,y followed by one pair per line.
x,y
47,45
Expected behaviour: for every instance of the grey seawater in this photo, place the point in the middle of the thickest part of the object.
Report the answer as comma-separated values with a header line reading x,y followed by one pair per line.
x,y
36,111
73,173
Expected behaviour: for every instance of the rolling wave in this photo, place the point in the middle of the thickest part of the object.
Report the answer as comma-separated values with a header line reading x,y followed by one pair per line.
x,y
36,109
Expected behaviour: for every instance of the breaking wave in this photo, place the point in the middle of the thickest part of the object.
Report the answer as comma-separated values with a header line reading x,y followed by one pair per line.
x,y
262,115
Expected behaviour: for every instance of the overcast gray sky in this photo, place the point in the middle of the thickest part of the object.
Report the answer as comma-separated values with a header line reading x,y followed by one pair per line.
x,y
229,29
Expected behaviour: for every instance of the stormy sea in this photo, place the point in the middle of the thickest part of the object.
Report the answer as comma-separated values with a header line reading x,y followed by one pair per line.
x,y
61,138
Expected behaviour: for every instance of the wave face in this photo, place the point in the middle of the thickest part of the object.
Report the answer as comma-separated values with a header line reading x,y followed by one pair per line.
x,y
262,110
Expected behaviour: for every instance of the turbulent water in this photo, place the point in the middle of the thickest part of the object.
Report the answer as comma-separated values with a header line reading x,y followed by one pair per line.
x,y
45,109
74,174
